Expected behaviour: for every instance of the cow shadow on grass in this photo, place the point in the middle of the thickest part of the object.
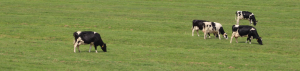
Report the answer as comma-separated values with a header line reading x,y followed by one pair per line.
x,y
89,52
244,42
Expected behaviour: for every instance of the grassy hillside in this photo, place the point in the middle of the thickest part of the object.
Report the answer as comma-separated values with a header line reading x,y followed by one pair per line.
x,y
146,35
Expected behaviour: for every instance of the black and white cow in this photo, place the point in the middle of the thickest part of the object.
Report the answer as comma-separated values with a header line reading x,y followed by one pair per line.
x,y
88,37
245,31
215,28
198,25
245,15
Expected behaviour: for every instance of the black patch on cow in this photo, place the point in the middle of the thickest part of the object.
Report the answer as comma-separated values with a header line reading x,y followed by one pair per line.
x,y
246,14
234,29
87,37
199,23
243,32
221,30
238,13
76,36
213,26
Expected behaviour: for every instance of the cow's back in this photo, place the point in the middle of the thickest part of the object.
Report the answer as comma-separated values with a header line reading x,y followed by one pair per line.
x,y
87,36
199,23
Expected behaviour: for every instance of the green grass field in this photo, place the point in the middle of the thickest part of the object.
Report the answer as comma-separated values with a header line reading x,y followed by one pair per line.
x,y
146,35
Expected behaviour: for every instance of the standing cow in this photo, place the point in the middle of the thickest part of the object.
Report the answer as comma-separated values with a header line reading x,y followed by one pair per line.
x,y
215,28
88,37
198,25
245,15
245,31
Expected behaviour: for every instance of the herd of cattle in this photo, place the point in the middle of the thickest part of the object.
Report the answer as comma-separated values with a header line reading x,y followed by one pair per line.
x,y
237,30
94,39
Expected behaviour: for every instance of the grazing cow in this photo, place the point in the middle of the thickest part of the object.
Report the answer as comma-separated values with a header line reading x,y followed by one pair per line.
x,y
215,28
245,31
88,37
198,25
245,15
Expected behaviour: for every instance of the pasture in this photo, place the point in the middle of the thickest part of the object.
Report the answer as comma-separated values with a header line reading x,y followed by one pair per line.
x,y
146,35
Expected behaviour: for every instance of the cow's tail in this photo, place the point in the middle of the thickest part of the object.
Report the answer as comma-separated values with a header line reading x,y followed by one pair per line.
x,y
76,35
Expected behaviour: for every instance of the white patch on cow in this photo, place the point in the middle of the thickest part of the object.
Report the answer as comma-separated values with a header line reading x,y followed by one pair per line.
x,y
78,32
95,32
236,25
252,29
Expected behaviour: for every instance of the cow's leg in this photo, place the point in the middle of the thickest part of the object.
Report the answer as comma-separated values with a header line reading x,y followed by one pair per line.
x,y
249,38
197,32
249,41
96,48
78,48
250,22
215,35
193,31
204,35
219,35
75,45
233,33
90,47
236,40
237,21
208,35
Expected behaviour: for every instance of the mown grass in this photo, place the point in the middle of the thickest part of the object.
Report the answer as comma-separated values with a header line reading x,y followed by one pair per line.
x,y
145,35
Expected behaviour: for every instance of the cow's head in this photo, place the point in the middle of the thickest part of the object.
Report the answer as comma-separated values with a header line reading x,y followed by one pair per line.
x,y
225,36
259,40
103,47
253,20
